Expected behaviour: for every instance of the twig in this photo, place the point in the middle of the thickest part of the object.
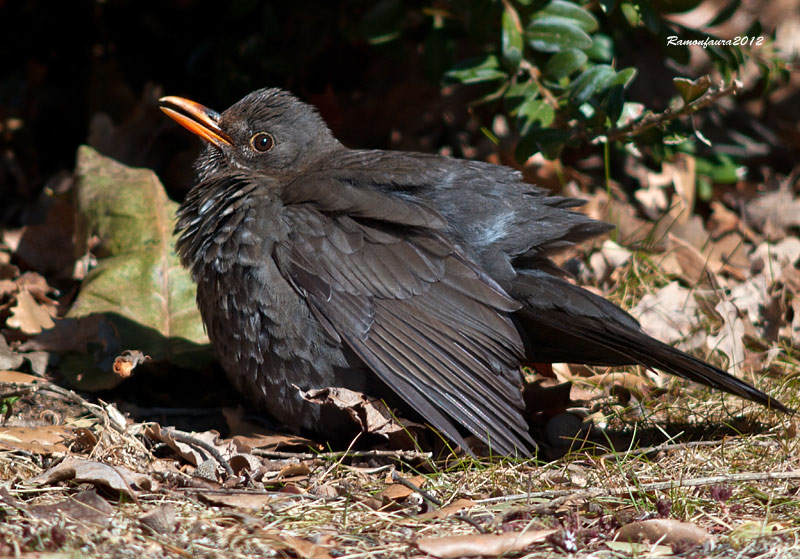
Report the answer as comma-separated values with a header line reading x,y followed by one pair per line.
x,y
399,454
651,120
676,446
189,439
397,478
655,486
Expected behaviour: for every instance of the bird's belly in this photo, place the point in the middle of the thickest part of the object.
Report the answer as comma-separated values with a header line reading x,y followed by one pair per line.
x,y
269,343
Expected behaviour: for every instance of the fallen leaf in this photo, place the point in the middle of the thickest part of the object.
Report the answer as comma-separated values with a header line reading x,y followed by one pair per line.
x,y
13,377
669,314
29,316
453,508
245,501
472,545
304,549
398,491
45,439
116,478
160,519
663,530
87,507
730,338
634,549
138,284
9,359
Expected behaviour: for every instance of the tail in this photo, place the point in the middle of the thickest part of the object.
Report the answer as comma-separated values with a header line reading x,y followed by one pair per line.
x,y
564,323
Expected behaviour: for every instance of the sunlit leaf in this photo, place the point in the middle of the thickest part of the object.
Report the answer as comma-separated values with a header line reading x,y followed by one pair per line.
x,y
553,34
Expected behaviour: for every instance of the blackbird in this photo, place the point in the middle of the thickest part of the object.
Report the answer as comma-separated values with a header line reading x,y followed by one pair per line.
x,y
322,266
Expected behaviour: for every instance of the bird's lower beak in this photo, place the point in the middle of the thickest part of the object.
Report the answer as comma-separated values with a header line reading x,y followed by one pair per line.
x,y
195,118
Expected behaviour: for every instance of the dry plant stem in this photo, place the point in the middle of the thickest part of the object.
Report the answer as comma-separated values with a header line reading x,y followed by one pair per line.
x,y
400,455
666,447
397,478
655,486
187,438
649,121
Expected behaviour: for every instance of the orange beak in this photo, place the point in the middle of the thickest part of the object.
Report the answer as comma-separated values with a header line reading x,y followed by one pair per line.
x,y
196,118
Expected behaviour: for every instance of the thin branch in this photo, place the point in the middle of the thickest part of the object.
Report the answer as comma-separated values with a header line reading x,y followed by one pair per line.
x,y
652,120
655,486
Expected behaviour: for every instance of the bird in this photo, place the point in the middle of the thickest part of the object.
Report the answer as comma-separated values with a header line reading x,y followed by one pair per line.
x,y
427,277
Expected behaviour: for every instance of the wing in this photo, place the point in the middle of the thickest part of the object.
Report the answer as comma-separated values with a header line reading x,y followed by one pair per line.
x,y
427,321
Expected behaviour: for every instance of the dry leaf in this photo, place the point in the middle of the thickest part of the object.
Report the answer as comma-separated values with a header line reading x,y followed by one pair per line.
x,y
453,508
125,363
729,340
398,491
13,377
161,519
304,549
44,439
245,501
29,316
633,549
87,507
669,315
472,545
663,530
117,478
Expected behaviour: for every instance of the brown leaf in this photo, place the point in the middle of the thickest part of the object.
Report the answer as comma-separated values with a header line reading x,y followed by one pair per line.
x,y
86,507
472,545
245,501
44,439
304,549
695,266
160,519
13,377
453,508
398,491
663,530
116,478
29,316
125,363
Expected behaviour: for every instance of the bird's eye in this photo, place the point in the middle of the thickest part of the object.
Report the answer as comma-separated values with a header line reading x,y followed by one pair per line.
x,y
262,142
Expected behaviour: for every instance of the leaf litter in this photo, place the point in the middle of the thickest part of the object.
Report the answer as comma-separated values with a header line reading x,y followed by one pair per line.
x,y
730,293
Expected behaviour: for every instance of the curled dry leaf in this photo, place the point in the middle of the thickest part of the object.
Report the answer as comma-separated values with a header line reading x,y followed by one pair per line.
x,y
664,530
473,545
116,478
730,339
125,363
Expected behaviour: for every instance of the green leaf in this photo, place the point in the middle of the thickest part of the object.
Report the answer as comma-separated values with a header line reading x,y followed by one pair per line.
x,y
624,77
594,80
602,49
476,70
534,112
512,38
568,11
691,90
138,285
564,63
553,34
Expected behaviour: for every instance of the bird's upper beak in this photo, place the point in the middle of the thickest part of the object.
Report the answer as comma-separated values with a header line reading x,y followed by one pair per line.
x,y
196,118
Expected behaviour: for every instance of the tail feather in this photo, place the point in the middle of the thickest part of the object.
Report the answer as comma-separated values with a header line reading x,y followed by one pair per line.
x,y
569,324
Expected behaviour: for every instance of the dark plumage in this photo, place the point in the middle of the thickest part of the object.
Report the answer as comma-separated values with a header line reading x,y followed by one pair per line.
x,y
320,266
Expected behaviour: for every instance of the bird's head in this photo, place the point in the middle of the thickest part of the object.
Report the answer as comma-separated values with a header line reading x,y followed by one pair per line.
x,y
269,132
